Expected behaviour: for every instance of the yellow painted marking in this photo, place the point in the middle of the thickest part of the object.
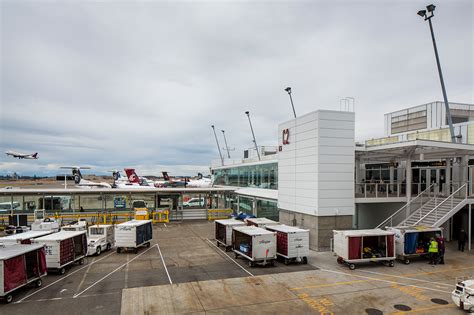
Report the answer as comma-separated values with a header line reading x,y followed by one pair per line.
x,y
424,309
433,272
320,305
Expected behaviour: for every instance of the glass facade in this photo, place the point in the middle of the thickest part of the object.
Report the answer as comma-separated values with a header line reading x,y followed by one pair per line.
x,y
256,176
267,209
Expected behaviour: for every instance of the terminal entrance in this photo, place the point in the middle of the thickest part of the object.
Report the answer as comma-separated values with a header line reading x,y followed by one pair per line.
x,y
423,177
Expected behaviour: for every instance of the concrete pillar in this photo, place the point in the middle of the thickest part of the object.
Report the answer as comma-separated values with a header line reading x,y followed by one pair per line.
x,y
448,177
357,176
409,178
469,228
464,168
392,176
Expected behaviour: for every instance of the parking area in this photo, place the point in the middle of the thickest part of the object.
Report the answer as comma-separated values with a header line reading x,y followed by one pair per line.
x,y
184,271
179,253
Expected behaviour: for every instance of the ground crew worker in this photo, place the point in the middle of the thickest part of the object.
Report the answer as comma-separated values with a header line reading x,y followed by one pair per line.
x,y
433,251
462,240
441,248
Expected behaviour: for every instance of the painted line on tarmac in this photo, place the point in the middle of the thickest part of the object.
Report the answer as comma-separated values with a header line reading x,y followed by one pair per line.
x,y
382,280
164,265
231,258
68,275
402,277
112,272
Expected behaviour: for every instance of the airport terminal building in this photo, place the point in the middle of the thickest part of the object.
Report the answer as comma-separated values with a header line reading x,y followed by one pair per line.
x,y
318,178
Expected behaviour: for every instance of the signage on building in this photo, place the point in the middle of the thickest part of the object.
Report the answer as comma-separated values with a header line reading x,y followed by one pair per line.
x,y
286,136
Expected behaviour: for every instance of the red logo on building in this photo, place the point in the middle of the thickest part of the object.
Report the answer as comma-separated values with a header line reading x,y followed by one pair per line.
x,y
286,136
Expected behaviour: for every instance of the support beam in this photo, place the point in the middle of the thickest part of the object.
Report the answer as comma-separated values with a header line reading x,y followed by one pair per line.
x,y
469,225
448,177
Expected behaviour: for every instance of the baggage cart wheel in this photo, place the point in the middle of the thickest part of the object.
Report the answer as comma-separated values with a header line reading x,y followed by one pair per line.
x,y
135,250
81,261
272,263
217,242
236,255
8,298
119,250
340,260
251,263
391,263
352,266
62,271
406,261
38,283
98,251
305,260
108,247
287,261
147,244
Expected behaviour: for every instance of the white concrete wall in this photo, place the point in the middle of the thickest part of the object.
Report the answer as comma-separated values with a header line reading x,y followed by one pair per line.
x,y
316,169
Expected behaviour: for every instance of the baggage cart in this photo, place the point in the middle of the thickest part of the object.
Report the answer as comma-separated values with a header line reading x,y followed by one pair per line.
x,y
361,246
413,241
255,244
223,231
23,238
292,243
133,234
64,248
261,222
20,265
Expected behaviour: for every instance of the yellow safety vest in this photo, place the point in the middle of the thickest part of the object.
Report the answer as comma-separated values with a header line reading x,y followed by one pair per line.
x,y
433,247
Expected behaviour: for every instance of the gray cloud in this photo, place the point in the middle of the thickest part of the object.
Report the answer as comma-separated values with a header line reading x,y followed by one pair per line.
x,y
139,83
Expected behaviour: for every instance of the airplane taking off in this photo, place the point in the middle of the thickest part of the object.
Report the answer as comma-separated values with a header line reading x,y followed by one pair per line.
x,y
83,183
20,156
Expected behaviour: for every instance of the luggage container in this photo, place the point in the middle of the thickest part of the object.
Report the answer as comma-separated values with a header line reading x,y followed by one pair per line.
x,y
413,241
133,234
20,265
361,246
463,294
255,244
292,243
23,238
63,249
101,238
261,222
223,231
80,225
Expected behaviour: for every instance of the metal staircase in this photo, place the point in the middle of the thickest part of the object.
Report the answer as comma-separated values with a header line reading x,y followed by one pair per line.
x,y
428,209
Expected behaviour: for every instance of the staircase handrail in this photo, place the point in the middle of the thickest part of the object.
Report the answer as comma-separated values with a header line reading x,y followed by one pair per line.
x,y
442,202
381,225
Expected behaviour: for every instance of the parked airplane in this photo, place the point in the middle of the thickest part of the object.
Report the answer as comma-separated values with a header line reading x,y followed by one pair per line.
x,y
201,182
135,179
20,156
169,182
123,182
83,183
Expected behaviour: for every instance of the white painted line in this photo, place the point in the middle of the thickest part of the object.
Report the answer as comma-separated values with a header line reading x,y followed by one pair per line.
x,y
126,273
85,275
68,275
164,265
381,280
414,279
231,258
112,272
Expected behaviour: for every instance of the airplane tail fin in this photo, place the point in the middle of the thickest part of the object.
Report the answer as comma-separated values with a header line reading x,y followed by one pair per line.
x,y
77,175
165,176
132,176
199,175
35,156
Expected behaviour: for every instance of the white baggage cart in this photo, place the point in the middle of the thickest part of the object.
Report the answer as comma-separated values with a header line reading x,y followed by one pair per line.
x,y
20,265
413,241
292,243
23,238
362,246
63,249
261,222
255,244
133,234
223,231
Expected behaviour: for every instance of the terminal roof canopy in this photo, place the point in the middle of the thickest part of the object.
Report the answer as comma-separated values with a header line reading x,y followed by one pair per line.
x,y
415,150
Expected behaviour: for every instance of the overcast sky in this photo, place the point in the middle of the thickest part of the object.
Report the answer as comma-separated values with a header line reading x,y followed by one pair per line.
x,y
115,84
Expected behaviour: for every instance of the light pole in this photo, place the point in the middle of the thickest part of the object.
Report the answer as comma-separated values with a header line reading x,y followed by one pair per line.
x,y
427,16
226,146
288,90
353,102
218,147
253,135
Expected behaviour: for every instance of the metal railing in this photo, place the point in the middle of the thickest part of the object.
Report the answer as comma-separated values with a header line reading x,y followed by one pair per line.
x,y
448,201
217,214
410,207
